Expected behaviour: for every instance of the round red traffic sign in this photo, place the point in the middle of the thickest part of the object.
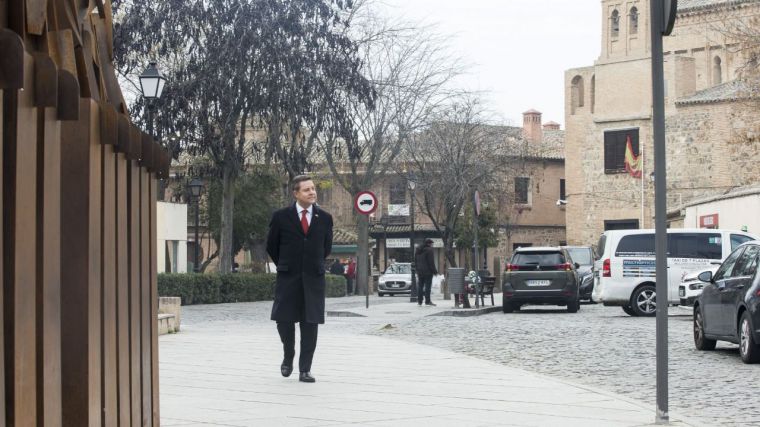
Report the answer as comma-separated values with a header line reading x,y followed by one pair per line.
x,y
365,202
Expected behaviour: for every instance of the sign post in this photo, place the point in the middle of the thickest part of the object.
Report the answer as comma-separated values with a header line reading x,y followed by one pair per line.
x,y
662,14
365,203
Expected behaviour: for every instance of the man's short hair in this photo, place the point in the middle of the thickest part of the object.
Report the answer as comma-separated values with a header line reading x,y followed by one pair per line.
x,y
296,183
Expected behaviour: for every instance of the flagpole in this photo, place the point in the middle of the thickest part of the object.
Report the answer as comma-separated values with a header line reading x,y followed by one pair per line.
x,y
641,147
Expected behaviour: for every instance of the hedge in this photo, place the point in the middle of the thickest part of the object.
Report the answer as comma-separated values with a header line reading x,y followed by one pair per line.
x,y
196,288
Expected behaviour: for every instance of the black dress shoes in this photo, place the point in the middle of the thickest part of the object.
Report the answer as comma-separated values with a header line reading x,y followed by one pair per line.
x,y
286,368
306,377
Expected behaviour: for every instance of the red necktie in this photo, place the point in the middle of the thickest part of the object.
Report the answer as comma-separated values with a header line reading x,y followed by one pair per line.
x,y
304,222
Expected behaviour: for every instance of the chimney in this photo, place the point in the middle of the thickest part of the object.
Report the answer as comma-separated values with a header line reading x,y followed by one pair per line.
x,y
532,126
551,126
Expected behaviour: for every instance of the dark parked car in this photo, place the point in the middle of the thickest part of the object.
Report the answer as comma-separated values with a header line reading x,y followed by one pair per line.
x,y
541,275
583,255
729,307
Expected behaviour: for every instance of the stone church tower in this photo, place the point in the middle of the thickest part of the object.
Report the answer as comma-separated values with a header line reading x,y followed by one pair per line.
x,y
610,103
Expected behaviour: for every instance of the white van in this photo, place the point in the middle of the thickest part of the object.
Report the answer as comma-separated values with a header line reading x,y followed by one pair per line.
x,y
624,274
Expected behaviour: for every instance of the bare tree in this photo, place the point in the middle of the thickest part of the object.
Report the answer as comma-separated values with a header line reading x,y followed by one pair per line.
x,y
409,69
243,66
744,34
458,153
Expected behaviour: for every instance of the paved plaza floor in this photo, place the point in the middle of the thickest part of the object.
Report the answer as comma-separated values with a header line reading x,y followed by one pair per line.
x,y
223,369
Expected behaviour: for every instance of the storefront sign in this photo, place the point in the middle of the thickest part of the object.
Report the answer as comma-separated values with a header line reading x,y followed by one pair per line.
x,y
404,243
398,210
708,221
397,243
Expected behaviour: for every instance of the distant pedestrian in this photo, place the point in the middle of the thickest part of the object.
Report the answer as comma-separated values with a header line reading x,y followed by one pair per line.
x,y
350,276
425,263
299,240
337,268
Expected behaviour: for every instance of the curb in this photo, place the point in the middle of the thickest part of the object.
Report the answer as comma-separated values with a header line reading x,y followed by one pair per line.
x,y
467,312
343,314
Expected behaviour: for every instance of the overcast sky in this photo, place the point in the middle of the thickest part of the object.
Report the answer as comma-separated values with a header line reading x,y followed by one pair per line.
x,y
519,49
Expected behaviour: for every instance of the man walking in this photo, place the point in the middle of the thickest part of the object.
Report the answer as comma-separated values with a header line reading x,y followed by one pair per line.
x,y
425,264
299,241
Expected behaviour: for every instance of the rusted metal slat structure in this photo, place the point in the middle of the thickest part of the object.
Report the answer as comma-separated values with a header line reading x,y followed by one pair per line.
x,y
79,301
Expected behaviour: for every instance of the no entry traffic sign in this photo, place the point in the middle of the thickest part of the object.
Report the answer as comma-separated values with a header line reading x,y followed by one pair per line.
x,y
365,202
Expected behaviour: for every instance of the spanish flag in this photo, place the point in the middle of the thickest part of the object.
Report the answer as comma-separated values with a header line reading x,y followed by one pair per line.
x,y
632,161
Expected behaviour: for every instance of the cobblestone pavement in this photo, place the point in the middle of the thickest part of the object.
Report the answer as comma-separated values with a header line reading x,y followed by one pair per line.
x,y
604,347
599,346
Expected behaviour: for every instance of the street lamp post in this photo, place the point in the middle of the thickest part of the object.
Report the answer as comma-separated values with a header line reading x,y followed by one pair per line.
x,y
412,184
196,185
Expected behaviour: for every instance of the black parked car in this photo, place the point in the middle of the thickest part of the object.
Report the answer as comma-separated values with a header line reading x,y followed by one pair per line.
x,y
729,307
540,276
583,255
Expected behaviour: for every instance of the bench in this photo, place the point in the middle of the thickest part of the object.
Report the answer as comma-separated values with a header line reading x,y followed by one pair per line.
x,y
487,285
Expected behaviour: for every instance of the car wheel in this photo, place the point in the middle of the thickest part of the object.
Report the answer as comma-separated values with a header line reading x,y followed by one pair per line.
x,y
573,306
507,307
700,341
748,348
644,301
380,294
628,310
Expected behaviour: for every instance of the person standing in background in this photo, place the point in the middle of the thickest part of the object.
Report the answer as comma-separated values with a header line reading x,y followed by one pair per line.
x,y
350,276
425,262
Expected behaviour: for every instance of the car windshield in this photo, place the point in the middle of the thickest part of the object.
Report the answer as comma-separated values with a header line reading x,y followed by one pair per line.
x,y
538,258
581,255
399,269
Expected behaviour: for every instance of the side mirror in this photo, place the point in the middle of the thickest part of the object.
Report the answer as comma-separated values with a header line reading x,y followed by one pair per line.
x,y
706,276
577,265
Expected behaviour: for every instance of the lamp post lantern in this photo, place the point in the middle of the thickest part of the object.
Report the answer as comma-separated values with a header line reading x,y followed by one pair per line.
x,y
196,186
152,86
412,184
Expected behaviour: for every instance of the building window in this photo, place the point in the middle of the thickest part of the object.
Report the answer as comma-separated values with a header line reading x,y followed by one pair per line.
x,y
522,190
593,93
615,143
717,71
576,93
615,24
398,192
562,189
620,224
634,20
325,195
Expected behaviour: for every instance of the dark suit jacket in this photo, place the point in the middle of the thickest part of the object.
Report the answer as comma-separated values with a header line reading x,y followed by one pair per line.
x,y
425,262
300,290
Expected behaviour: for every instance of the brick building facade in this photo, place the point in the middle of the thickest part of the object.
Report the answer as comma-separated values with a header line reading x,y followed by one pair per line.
x,y
711,128
528,213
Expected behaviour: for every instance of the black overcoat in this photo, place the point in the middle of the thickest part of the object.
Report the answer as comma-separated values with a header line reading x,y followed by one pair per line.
x,y
299,294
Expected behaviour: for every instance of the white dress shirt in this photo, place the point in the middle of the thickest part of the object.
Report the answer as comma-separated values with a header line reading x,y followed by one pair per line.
x,y
308,212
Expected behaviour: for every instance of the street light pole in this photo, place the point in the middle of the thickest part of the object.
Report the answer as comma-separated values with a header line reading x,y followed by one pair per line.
x,y
196,263
196,186
413,295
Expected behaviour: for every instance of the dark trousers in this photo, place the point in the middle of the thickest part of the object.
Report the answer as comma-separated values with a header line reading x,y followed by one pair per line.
x,y
287,332
424,283
349,285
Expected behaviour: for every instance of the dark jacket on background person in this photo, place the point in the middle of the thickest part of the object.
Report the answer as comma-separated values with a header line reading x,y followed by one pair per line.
x,y
337,268
300,260
425,261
